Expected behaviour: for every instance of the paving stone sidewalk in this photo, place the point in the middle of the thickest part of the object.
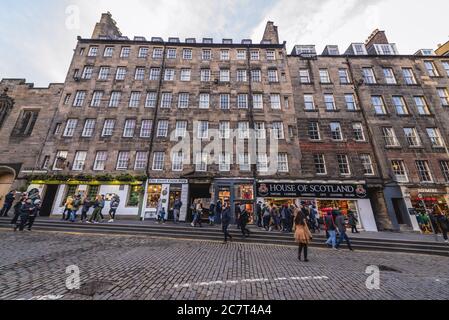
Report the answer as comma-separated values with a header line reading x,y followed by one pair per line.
x,y
33,266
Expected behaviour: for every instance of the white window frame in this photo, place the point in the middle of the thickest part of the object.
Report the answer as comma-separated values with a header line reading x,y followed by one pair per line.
x,y
100,161
89,128
141,160
123,159
70,128
162,128
158,161
146,128
129,128
108,128
79,161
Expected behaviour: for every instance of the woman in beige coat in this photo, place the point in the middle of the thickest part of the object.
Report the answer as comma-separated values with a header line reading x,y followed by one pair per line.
x,y
303,236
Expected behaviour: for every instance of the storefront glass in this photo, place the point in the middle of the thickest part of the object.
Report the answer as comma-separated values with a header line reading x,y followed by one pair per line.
x,y
154,195
224,194
426,207
345,206
134,196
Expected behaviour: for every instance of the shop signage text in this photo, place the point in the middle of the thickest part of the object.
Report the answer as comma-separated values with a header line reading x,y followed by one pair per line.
x,y
298,190
168,181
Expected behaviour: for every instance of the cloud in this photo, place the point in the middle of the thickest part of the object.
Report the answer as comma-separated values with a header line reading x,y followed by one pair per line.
x,y
38,45
343,22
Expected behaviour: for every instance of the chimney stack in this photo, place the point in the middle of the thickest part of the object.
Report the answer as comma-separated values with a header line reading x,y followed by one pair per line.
x,y
271,33
107,27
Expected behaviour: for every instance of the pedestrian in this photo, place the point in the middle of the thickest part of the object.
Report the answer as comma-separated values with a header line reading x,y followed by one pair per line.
x,y
95,217
284,218
161,216
115,203
259,214
33,214
194,213
443,224
68,206
353,221
9,200
226,221
218,211
332,230
266,217
211,214
177,209
340,221
303,236
244,219
199,213
75,207
87,204
237,214
17,208
25,212
102,205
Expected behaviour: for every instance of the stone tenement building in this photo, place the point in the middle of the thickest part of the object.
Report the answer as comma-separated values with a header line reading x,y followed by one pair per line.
x,y
360,130
25,115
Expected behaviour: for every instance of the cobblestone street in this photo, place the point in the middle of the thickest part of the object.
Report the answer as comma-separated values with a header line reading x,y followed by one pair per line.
x,y
33,266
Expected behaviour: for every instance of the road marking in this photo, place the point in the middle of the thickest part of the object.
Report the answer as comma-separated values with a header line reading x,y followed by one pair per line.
x,y
236,282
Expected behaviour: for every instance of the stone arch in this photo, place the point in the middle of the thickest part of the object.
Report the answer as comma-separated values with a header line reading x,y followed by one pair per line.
x,y
7,177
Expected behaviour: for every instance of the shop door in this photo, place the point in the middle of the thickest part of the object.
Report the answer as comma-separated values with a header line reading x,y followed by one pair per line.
x,y
49,199
175,193
397,204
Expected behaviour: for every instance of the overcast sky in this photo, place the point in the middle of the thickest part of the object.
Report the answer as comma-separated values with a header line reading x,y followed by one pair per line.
x,y
37,38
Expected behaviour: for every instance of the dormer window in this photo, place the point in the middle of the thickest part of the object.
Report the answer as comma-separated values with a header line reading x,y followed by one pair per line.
x,y
386,49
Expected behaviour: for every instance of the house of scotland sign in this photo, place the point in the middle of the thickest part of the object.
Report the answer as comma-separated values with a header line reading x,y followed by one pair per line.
x,y
298,190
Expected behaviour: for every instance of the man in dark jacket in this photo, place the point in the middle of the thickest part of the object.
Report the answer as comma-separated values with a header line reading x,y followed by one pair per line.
x,y
33,214
9,200
17,208
177,209
244,218
340,221
259,215
25,211
443,223
226,217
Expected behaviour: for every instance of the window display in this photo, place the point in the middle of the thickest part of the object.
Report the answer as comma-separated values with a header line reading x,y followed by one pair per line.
x,y
154,195
134,196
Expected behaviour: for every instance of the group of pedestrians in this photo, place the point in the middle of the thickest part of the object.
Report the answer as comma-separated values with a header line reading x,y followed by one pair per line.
x,y
74,203
335,222
26,209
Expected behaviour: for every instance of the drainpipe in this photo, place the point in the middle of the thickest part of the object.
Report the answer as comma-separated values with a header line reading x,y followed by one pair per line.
x,y
252,126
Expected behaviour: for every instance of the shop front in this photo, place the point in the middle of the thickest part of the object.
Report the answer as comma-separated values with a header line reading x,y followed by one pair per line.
x,y
325,197
162,193
54,195
235,192
423,204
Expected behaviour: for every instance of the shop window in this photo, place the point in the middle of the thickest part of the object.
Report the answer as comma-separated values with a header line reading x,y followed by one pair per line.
x,y
70,191
93,191
244,192
134,196
154,195
224,194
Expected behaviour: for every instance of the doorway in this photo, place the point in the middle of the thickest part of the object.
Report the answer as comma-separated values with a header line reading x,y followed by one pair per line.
x,y
397,205
6,181
49,199
175,193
